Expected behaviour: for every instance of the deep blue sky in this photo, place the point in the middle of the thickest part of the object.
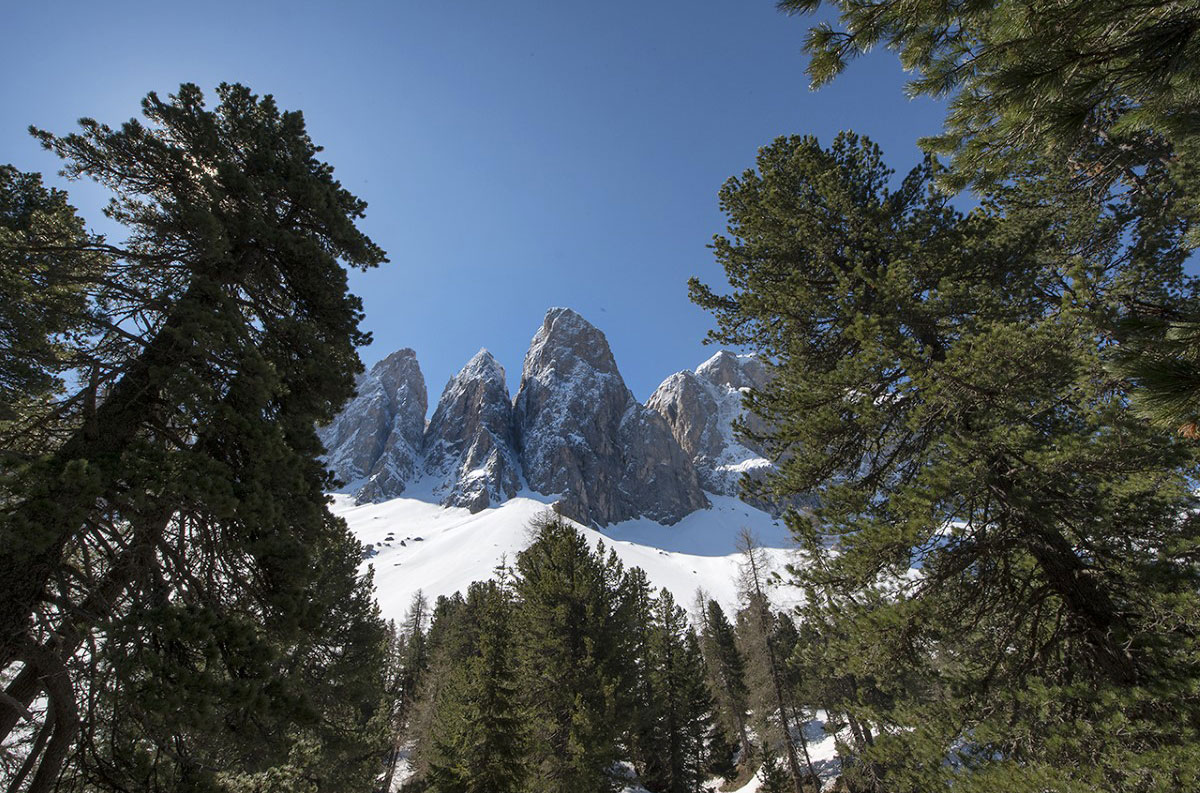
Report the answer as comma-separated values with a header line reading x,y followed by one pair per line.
x,y
515,155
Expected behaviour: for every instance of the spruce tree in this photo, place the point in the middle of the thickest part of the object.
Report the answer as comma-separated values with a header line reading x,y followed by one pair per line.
x,y
568,630
478,733
727,669
637,692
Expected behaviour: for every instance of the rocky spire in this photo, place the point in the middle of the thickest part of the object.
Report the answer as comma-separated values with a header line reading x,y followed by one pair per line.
x,y
734,371
701,407
469,441
374,444
581,433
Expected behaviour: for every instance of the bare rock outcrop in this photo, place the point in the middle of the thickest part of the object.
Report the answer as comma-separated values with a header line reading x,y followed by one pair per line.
x,y
581,434
701,408
469,441
374,445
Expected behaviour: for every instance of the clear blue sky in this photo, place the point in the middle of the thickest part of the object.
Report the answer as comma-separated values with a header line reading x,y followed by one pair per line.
x,y
515,155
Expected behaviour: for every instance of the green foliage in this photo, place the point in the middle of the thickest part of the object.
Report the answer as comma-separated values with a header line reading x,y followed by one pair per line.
x,y
1113,88
168,560
546,679
941,384
569,641
727,674
682,707
478,734
47,260
1106,92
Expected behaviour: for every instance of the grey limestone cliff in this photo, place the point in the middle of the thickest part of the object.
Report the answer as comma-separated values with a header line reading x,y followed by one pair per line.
x,y
469,441
701,408
374,445
581,434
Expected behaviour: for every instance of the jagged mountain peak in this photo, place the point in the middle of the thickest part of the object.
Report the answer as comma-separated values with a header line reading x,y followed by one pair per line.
x,y
483,365
374,444
574,431
468,445
581,434
734,371
566,340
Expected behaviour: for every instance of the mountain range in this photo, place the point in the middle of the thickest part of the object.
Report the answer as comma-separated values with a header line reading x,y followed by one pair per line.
x,y
574,434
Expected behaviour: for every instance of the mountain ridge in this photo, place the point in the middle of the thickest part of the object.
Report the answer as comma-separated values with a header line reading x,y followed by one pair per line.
x,y
573,430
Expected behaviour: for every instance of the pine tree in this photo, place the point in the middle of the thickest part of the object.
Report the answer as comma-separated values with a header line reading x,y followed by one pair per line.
x,y
169,558
638,695
727,669
477,734
1086,82
941,384
47,263
408,663
1097,87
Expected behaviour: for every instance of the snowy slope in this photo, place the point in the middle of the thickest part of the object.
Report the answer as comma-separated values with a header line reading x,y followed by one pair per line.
x,y
439,550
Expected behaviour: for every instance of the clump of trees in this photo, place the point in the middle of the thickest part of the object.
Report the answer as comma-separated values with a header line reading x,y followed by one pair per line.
x,y
551,675
178,608
567,672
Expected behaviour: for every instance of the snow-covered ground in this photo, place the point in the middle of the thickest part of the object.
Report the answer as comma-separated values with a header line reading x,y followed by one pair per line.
x,y
419,545
822,750
440,550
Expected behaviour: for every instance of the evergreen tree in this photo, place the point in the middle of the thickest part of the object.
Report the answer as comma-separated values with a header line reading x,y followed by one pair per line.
x,y
568,630
449,643
638,697
167,559
477,734
409,661
1106,90
47,263
727,669
774,775
941,384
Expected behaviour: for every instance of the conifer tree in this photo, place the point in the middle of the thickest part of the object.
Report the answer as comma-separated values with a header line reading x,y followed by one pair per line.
x,y
1002,548
1100,88
638,695
727,669
175,523
684,701
478,733
570,659
409,662
48,261
775,697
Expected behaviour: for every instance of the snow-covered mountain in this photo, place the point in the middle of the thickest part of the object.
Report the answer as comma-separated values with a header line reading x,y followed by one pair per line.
x,y
574,431
701,408
469,446
582,434
375,445
441,503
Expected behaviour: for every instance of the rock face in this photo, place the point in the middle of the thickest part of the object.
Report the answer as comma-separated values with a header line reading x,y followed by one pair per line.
x,y
580,433
375,444
700,407
469,442
574,430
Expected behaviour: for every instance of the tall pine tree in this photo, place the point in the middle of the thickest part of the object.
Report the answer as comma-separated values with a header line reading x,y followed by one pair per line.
x,y
941,384
167,559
